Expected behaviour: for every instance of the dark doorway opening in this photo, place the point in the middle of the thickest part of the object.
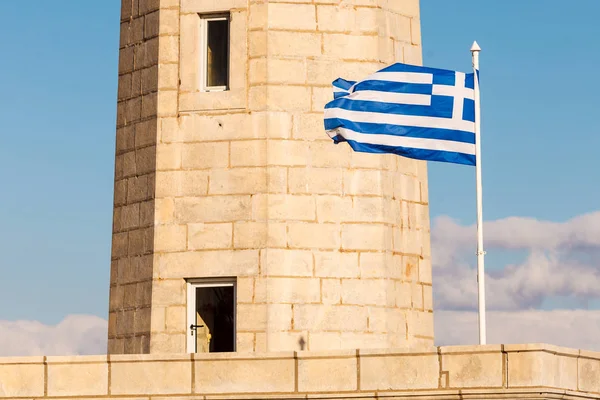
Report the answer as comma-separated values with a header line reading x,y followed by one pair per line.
x,y
215,319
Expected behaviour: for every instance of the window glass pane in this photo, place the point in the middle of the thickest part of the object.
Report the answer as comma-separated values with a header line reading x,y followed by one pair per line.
x,y
217,53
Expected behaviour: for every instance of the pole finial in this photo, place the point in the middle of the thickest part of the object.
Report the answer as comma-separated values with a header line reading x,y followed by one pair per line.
x,y
475,47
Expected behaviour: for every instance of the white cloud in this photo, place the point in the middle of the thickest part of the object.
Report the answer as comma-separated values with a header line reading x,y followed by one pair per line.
x,y
75,335
582,231
577,329
563,259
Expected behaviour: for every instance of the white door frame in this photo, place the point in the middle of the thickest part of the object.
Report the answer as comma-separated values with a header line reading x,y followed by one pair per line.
x,y
191,286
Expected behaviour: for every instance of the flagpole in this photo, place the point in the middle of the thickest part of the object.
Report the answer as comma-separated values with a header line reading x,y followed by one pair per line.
x,y
475,49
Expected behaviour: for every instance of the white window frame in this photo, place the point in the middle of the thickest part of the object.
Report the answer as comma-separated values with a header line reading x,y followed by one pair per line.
x,y
203,41
192,285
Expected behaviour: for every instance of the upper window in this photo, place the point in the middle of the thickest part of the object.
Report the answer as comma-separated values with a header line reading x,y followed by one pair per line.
x,y
214,42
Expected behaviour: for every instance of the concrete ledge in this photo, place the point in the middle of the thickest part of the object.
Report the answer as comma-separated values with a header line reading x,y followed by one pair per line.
x,y
532,371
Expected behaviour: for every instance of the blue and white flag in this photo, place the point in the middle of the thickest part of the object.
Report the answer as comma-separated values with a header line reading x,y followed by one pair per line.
x,y
416,112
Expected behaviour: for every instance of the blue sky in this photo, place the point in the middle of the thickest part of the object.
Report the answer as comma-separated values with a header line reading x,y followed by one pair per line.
x,y
58,107
538,105
58,110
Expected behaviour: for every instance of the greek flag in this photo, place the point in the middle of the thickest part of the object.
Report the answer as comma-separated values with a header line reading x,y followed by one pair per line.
x,y
416,112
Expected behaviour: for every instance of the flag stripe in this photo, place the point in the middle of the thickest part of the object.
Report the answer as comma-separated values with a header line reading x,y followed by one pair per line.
x,y
387,97
343,84
395,87
348,103
398,130
406,77
405,141
419,154
403,120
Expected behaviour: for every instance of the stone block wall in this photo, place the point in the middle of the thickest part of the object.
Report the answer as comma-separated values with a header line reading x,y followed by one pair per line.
x,y
135,175
329,247
455,372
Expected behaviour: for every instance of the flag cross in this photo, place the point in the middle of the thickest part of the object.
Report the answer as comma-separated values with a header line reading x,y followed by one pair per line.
x,y
459,91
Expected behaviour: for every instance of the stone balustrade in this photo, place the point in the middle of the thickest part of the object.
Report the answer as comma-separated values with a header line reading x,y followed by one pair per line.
x,y
492,371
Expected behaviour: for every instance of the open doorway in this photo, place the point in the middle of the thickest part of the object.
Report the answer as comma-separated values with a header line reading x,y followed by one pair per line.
x,y
211,316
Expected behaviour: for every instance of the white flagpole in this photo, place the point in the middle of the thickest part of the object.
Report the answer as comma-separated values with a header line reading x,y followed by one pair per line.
x,y
475,49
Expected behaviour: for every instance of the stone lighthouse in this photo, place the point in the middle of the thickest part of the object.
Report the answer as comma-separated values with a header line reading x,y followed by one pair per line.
x,y
238,225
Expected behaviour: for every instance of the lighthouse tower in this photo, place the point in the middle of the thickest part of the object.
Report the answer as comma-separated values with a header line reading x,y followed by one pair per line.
x,y
238,224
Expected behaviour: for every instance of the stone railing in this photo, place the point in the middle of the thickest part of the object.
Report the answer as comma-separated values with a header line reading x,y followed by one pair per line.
x,y
509,371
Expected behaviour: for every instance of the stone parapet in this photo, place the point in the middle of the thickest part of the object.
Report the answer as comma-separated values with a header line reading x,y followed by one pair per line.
x,y
535,371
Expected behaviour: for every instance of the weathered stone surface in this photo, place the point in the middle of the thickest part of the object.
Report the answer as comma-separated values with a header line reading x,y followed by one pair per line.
x,y
159,377
315,372
77,376
399,372
467,368
21,377
244,375
588,368
546,365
